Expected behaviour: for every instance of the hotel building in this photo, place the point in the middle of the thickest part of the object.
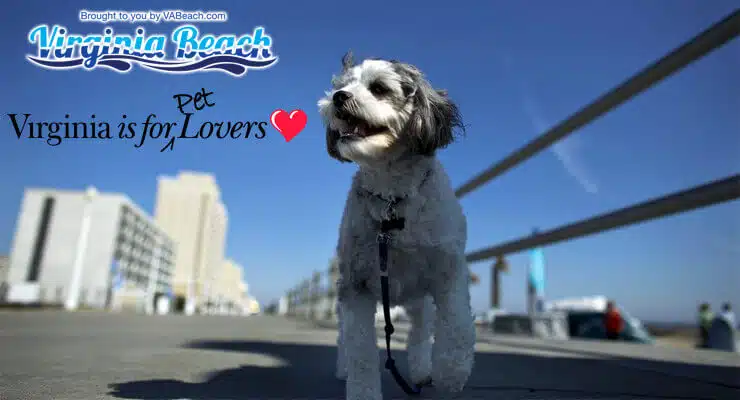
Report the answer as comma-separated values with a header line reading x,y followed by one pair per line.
x,y
121,258
189,208
232,290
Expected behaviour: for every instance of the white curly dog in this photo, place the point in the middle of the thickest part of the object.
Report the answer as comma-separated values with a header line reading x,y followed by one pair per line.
x,y
386,117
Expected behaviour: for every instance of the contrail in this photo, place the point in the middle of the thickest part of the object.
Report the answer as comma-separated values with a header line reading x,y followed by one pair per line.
x,y
566,150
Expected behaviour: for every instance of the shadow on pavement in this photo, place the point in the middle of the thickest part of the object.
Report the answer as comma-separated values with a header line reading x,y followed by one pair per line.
x,y
728,377
309,374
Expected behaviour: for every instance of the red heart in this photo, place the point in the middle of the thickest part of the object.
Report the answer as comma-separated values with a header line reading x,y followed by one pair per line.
x,y
289,125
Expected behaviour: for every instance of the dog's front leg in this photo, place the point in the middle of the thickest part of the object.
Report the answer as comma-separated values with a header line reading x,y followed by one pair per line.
x,y
341,372
361,347
419,344
454,339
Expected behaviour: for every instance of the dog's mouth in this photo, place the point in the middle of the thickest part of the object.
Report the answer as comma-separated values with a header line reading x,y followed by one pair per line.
x,y
357,128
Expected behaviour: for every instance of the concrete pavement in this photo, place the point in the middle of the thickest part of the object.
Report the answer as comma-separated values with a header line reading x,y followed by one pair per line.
x,y
90,355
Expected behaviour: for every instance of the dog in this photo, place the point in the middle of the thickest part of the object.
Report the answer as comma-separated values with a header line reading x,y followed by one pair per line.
x,y
384,116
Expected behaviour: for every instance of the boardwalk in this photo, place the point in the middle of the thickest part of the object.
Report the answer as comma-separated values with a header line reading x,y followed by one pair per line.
x,y
87,355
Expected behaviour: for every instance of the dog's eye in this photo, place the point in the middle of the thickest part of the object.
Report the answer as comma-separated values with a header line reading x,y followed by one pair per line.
x,y
378,89
407,88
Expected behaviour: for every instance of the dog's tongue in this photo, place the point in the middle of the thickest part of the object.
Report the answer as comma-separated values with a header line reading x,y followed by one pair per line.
x,y
360,130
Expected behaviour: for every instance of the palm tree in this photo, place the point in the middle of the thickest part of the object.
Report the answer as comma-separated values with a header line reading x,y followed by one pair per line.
x,y
498,267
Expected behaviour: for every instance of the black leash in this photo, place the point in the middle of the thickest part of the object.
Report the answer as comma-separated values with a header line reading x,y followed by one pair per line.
x,y
383,238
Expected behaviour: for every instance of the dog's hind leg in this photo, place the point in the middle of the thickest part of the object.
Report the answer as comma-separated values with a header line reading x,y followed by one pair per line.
x,y
361,347
341,372
419,344
454,332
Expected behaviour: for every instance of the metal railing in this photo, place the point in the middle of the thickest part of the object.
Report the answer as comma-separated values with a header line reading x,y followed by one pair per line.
x,y
315,298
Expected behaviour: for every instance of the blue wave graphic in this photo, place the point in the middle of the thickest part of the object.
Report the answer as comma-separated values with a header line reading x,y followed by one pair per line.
x,y
75,62
123,62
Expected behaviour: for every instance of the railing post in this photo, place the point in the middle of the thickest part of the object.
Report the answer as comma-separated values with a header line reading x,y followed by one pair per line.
x,y
326,296
315,293
332,292
291,302
299,299
287,302
295,302
495,287
309,293
305,297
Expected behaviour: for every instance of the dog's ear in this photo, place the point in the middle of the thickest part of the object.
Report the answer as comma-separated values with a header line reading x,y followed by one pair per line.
x,y
434,118
332,137
348,61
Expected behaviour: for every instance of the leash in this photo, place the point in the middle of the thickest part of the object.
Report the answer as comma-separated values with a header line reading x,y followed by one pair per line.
x,y
386,226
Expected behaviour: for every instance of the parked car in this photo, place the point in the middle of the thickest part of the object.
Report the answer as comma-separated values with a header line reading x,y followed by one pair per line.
x,y
486,318
590,325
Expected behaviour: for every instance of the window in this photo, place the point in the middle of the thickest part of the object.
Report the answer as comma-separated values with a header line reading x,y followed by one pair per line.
x,y
40,243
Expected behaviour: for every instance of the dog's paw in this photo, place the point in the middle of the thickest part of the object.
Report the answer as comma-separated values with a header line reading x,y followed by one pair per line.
x,y
426,381
341,370
451,373
451,379
420,373
363,391
341,367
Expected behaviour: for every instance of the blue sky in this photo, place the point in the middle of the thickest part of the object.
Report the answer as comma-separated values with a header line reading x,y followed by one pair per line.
x,y
514,68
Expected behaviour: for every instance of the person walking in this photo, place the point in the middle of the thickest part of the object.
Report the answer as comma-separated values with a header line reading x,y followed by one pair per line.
x,y
705,322
721,333
729,315
613,322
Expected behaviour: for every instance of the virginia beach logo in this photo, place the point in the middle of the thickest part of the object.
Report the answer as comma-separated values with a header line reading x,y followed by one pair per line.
x,y
60,50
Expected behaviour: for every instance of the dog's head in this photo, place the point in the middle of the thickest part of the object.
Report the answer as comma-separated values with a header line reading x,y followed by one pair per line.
x,y
379,109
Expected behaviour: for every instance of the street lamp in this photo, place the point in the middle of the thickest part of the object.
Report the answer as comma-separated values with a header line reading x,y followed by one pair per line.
x,y
153,276
73,294
191,301
499,267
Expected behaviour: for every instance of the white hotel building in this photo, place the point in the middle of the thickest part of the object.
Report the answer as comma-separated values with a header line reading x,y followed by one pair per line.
x,y
189,208
124,261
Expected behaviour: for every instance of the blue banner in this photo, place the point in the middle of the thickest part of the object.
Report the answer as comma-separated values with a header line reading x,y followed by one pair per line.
x,y
537,271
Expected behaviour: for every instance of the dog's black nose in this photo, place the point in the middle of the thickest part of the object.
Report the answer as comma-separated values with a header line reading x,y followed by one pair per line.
x,y
341,97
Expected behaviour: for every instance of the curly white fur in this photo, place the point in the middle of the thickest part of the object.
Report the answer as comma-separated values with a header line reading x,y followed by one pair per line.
x,y
427,269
